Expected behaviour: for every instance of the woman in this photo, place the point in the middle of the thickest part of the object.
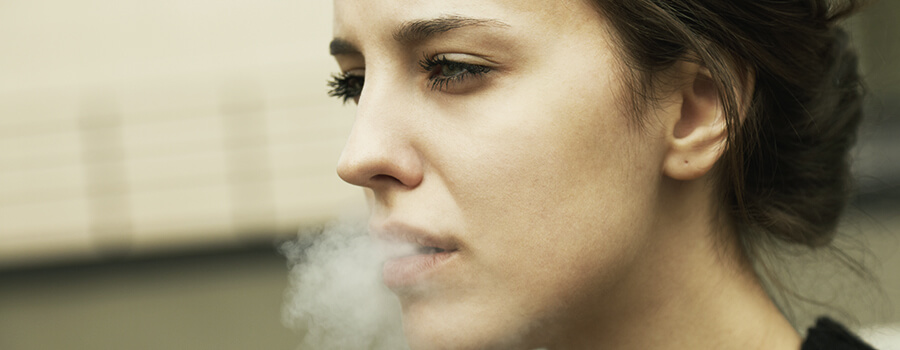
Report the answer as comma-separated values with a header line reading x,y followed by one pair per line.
x,y
596,174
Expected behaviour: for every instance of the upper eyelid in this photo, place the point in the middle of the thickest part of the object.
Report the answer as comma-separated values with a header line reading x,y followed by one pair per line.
x,y
349,71
488,64
348,63
429,64
488,60
485,60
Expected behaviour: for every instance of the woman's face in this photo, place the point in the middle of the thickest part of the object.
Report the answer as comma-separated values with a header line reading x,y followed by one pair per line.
x,y
495,130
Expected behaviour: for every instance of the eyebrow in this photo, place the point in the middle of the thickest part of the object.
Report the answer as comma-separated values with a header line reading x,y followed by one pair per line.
x,y
419,30
340,46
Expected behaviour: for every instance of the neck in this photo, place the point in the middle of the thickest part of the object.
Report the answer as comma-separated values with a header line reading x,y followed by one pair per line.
x,y
694,289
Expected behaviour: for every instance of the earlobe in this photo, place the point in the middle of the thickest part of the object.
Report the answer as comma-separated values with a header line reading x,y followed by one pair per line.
x,y
697,134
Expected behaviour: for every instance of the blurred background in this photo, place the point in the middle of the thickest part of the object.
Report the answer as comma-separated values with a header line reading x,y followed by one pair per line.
x,y
154,154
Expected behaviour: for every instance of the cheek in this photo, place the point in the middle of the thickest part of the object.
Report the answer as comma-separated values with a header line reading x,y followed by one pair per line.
x,y
552,155
554,177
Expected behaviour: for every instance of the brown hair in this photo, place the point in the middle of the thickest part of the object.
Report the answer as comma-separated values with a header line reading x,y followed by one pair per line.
x,y
785,171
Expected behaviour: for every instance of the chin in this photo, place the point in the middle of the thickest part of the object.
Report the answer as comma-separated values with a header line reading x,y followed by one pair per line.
x,y
442,328
457,339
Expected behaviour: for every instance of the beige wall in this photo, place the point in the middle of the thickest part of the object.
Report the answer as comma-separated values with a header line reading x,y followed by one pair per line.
x,y
137,127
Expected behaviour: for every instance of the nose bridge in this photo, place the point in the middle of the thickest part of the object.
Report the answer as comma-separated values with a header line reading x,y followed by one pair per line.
x,y
380,149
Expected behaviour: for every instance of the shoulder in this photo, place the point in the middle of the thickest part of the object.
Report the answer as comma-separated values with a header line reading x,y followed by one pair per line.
x,y
830,335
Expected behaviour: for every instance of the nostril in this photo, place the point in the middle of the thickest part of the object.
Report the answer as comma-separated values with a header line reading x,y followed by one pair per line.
x,y
379,174
382,178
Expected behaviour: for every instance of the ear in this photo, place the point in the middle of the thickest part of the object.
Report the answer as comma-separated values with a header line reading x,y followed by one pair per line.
x,y
696,135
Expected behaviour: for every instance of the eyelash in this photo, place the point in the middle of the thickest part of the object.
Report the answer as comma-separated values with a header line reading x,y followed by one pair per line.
x,y
439,82
347,86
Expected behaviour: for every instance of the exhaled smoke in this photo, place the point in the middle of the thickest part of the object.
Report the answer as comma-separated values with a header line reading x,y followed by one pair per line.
x,y
336,296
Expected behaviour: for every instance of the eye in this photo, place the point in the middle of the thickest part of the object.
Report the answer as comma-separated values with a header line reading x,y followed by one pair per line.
x,y
346,86
446,74
452,69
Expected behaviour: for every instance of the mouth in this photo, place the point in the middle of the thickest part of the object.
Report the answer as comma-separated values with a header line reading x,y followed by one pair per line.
x,y
429,250
412,257
410,270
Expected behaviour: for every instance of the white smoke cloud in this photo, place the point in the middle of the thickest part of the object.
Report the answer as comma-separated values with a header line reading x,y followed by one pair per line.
x,y
336,295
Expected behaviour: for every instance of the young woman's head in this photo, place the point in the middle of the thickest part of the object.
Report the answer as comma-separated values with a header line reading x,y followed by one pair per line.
x,y
589,173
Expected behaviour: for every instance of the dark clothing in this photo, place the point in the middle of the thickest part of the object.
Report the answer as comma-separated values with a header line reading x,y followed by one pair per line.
x,y
830,335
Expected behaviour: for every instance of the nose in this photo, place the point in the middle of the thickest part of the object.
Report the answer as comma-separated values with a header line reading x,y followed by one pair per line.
x,y
380,151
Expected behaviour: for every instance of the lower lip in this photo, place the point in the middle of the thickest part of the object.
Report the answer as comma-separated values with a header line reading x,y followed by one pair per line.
x,y
409,270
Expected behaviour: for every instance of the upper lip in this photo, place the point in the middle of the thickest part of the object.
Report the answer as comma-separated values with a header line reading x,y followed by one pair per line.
x,y
403,233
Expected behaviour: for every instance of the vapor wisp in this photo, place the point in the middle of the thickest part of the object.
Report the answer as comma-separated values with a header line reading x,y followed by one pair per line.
x,y
336,295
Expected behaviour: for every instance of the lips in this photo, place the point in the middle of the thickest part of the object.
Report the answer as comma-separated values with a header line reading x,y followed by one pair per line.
x,y
412,255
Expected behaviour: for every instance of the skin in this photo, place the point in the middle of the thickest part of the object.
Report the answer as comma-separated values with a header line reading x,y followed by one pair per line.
x,y
577,229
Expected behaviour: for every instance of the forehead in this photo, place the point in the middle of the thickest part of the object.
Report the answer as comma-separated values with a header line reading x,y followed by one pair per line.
x,y
356,19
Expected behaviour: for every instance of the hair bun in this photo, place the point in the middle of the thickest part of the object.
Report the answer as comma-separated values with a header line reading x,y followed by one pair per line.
x,y
799,181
